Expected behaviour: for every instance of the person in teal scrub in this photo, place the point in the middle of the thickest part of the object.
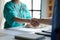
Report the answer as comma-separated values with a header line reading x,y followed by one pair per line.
x,y
17,14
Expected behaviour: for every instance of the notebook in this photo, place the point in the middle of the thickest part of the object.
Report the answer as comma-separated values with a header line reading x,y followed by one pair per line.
x,y
26,36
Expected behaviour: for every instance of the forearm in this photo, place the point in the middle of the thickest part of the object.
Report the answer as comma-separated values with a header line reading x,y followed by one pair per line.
x,y
22,20
45,21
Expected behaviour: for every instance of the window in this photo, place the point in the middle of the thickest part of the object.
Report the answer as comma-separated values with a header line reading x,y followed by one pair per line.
x,y
34,7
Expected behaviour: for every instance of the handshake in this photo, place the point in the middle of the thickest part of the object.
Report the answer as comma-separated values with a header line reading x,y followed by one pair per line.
x,y
33,22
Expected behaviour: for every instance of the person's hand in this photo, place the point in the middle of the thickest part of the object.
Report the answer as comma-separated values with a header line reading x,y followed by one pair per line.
x,y
34,22
28,25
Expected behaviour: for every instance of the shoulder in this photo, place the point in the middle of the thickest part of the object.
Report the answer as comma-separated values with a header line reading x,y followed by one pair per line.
x,y
23,4
8,4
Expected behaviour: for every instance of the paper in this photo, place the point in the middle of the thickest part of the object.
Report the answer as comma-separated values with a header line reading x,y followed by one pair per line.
x,y
10,32
32,30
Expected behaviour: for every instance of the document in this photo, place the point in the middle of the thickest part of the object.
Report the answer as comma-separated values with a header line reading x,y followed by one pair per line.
x,y
32,30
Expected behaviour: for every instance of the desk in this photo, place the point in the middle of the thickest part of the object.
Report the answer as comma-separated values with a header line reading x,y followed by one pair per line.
x,y
10,37
9,34
32,30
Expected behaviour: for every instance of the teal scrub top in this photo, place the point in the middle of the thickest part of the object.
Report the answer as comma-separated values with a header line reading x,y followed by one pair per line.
x,y
12,10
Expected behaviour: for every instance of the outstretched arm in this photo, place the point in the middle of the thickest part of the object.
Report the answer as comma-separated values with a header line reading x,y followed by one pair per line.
x,y
45,21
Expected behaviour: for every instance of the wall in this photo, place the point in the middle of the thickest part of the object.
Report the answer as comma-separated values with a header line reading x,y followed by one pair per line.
x,y
2,20
1,13
44,3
